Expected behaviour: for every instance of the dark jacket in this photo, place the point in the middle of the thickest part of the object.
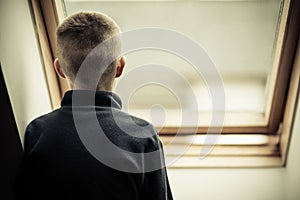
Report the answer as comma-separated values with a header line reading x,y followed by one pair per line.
x,y
58,165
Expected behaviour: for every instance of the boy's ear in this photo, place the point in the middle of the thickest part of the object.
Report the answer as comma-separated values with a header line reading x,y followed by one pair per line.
x,y
120,66
58,69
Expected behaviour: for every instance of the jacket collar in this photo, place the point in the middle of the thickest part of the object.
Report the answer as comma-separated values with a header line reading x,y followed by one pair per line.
x,y
91,98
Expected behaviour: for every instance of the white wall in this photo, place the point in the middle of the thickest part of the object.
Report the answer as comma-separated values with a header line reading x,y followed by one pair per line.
x,y
21,63
27,89
227,184
292,173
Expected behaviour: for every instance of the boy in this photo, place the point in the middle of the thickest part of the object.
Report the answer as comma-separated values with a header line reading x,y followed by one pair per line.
x,y
58,163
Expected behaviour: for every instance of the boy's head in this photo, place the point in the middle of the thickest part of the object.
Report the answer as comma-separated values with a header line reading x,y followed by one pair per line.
x,y
77,36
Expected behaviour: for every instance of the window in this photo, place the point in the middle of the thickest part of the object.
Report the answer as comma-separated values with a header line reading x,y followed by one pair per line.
x,y
253,45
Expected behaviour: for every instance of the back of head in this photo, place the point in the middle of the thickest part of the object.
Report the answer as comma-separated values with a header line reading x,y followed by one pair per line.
x,y
81,33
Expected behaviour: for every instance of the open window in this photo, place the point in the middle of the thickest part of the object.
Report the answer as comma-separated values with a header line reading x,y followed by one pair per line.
x,y
252,43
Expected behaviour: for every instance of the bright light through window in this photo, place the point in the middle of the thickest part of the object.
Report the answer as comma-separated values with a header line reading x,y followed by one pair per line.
x,y
239,36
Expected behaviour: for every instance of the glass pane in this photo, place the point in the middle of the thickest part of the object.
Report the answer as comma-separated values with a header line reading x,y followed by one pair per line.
x,y
239,36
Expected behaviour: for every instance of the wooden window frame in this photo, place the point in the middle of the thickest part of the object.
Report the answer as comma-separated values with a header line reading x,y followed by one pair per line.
x,y
46,15
276,123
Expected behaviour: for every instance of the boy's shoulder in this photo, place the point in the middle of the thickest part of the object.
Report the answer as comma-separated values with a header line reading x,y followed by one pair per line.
x,y
42,119
133,122
36,127
125,126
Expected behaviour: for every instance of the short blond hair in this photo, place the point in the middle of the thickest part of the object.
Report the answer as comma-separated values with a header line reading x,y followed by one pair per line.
x,y
78,35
